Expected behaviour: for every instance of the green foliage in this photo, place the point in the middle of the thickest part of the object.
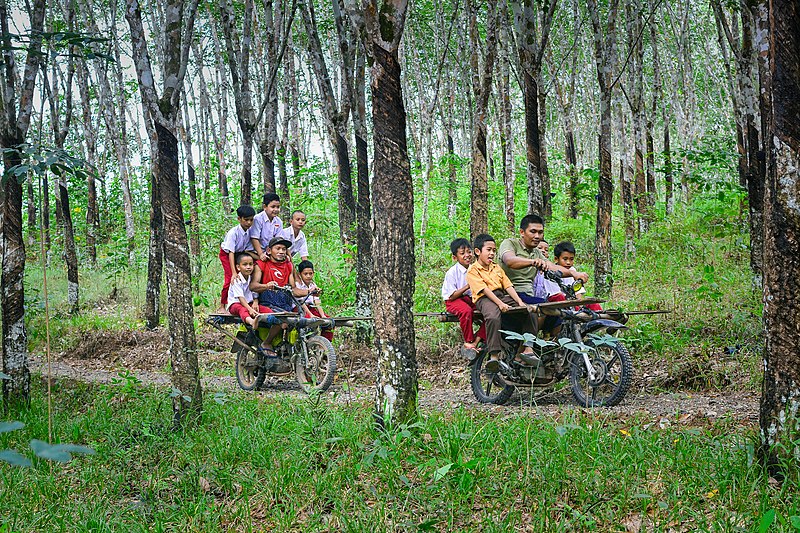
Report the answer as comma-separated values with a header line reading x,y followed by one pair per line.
x,y
297,464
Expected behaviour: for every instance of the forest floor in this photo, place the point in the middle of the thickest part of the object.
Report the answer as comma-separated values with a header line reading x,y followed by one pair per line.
x,y
694,391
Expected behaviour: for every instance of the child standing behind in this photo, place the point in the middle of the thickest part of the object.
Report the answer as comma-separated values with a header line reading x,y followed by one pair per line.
x,y
493,295
458,298
241,300
308,294
294,233
266,225
236,240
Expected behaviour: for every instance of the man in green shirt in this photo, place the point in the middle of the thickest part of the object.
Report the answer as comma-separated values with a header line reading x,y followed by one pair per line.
x,y
522,260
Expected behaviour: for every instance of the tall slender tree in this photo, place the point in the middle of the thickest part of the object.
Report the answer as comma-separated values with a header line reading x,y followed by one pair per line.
x,y
163,111
15,118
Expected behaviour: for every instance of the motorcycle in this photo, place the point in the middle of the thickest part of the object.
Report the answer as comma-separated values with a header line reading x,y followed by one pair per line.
x,y
598,365
299,348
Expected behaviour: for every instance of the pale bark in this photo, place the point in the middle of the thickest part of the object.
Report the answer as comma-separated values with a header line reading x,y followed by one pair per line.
x,y
506,137
89,128
184,128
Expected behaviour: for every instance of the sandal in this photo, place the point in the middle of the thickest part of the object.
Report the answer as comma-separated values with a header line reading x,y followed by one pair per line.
x,y
527,359
493,365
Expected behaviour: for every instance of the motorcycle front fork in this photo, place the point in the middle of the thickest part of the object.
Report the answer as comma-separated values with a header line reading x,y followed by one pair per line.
x,y
587,362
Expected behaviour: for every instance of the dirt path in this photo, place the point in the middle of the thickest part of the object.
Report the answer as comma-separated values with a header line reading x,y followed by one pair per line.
x,y
663,408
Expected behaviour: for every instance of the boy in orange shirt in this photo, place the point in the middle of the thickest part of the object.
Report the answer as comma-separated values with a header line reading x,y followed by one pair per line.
x,y
493,295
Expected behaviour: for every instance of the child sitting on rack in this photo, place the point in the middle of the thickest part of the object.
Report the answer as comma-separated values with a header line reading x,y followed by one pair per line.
x,y
242,302
309,295
458,298
565,256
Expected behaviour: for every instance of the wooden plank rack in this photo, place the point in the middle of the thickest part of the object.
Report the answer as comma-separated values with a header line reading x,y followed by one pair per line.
x,y
444,316
219,319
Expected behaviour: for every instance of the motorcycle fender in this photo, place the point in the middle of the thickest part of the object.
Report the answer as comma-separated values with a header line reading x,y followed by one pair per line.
x,y
601,323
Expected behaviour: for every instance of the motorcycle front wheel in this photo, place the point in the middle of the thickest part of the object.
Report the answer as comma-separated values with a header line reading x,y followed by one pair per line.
x,y
249,376
488,387
319,369
613,375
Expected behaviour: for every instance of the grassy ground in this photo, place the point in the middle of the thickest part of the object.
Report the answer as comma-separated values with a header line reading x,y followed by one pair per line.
x,y
296,465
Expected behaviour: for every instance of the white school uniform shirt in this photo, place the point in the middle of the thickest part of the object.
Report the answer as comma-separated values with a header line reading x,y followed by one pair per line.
x,y
264,229
551,287
311,300
240,286
299,246
455,278
236,240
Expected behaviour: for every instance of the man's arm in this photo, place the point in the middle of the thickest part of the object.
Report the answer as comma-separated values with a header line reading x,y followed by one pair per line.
x,y
568,272
255,282
516,262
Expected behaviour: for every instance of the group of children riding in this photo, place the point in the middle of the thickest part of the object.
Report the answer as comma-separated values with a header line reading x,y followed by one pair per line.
x,y
516,279
256,256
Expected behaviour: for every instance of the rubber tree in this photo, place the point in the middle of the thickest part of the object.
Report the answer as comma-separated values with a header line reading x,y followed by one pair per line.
x,y
15,118
393,216
162,110
780,400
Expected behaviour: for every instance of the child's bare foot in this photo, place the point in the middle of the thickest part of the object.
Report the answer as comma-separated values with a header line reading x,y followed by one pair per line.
x,y
221,310
251,321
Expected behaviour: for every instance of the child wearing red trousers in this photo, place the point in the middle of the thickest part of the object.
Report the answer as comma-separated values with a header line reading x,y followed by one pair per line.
x,y
236,240
458,298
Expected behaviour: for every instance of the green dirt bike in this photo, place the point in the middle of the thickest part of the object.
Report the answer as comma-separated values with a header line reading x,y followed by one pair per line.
x,y
299,349
598,365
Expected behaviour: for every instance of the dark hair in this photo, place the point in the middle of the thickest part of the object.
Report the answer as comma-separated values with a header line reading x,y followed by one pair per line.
x,y
563,246
295,212
482,239
527,220
458,244
245,211
543,241
237,257
304,265
271,197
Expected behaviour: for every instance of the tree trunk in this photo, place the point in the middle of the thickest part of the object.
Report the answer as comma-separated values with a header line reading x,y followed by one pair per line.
x,y
180,312
669,199
506,138
92,216
780,400
194,207
533,150
544,171
246,190
393,194
155,258
364,270
604,46
482,87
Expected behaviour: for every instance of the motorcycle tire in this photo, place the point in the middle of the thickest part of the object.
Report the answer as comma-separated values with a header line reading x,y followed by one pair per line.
x,y
249,377
615,373
484,383
320,368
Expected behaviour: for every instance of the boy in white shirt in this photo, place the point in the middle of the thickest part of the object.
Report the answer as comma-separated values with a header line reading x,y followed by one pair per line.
x,y
236,240
294,234
565,256
266,225
243,302
458,298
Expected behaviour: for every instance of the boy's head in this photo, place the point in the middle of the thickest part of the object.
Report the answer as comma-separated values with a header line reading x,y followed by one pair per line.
x,y
543,246
272,205
565,254
244,263
298,219
306,270
531,230
461,251
277,249
485,248
245,214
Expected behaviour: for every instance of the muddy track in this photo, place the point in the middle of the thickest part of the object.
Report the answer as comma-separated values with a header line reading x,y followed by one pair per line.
x,y
664,408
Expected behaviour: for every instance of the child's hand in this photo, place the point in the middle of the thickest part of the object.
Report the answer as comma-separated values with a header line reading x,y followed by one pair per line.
x,y
253,312
263,256
583,276
504,307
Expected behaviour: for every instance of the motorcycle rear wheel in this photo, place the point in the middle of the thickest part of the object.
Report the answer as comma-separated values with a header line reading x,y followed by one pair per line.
x,y
320,367
488,387
614,369
249,377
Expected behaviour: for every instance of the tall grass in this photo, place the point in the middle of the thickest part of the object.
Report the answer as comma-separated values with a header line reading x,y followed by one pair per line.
x,y
288,464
